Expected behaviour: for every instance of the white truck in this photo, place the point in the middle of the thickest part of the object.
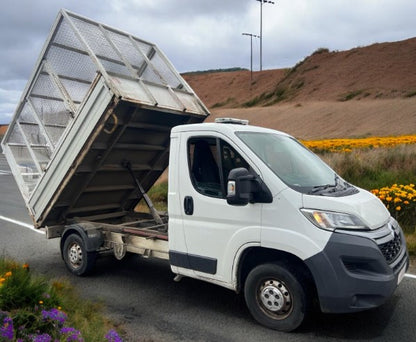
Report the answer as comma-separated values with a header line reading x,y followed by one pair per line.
x,y
249,208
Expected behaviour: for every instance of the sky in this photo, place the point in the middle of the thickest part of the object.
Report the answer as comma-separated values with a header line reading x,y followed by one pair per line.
x,y
204,34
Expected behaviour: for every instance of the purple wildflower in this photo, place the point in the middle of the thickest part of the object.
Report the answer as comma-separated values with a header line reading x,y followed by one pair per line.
x,y
41,338
54,315
6,330
72,334
112,336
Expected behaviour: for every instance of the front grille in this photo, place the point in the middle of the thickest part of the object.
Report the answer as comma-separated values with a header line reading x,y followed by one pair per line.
x,y
392,248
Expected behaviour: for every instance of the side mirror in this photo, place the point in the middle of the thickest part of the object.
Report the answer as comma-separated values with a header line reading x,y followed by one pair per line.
x,y
239,186
243,187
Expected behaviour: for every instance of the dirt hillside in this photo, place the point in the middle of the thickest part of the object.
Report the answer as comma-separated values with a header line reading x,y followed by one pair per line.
x,y
363,91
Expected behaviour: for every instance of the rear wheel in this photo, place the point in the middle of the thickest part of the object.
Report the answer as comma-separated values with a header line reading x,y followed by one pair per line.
x,y
275,297
77,259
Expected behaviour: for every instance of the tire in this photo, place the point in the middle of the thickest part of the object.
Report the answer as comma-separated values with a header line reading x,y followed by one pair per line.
x,y
275,297
77,259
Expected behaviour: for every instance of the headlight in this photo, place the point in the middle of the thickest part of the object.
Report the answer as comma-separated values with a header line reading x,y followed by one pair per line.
x,y
330,220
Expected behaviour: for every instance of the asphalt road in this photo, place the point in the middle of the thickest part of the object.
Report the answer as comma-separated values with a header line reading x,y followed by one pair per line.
x,y
142,296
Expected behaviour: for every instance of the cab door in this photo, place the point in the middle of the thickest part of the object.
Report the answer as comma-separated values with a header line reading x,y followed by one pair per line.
x,y
213,229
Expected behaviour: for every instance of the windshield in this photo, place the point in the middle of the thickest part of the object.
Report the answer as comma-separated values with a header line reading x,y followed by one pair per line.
x,y
293,163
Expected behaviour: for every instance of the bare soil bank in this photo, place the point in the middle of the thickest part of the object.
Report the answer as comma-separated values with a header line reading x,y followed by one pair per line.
x,y
332,119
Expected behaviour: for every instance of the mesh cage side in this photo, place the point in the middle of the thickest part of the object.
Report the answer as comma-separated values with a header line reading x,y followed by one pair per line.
x,y
166,72
44,86
101,48
130,53
54,116
66,36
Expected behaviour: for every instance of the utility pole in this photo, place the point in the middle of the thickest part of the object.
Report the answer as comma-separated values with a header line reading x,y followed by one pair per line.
x,y
251,35
261,29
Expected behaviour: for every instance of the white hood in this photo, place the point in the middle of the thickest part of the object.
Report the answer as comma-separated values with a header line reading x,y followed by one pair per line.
x,y
364,205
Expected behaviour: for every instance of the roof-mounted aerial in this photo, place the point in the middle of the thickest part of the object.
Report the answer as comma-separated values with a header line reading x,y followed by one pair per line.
x,y
232,121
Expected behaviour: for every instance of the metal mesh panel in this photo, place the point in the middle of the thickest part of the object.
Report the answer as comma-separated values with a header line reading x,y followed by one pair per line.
x,y
66,36
16,136
163,97
144,47
71,64
42,155
54,115
100,46
150,75
124,44
23,159
133,89
26,115
33,134
115,68
189,102
45,87
169,76
76,90
26,166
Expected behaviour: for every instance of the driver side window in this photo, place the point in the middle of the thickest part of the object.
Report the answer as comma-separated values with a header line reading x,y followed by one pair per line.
x,y
210,161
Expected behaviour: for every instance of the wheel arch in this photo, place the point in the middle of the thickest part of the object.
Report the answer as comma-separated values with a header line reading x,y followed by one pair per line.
x,y
92,237
256,255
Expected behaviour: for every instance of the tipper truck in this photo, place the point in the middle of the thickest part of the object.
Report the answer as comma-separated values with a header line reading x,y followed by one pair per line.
x,y
249,208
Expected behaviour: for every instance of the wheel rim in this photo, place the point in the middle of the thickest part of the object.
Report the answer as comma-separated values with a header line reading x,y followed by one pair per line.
x,y
75,255
275,299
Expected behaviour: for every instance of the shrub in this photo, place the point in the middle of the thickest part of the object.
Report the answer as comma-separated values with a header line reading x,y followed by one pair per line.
x,y
31,309
400,200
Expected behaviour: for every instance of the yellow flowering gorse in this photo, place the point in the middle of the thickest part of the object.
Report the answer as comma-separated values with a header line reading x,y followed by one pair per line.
x,y
347,145
399,199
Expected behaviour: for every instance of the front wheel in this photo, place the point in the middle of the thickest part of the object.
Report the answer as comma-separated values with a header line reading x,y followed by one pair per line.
x,y
77,259
275,297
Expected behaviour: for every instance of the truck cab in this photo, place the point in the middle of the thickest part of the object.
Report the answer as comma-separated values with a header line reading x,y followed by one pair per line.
x,y
252,209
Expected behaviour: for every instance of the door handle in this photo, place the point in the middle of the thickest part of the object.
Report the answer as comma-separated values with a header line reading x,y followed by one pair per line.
x,y
188,205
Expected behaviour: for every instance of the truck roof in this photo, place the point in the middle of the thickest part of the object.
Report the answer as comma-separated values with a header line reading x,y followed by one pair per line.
x,y
226,127
98,99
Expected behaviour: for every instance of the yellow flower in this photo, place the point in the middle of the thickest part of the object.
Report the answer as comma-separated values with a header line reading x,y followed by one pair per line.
x,y
41,302
8,274
25,266
398,208
2,280
388,199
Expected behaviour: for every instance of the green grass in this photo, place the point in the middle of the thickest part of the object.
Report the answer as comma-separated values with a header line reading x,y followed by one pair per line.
x,y
375,168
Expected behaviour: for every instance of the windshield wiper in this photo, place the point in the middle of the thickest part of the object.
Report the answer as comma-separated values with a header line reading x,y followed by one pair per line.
x,y
319,188
333,187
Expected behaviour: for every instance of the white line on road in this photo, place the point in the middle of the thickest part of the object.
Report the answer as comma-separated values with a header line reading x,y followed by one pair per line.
x,y
22,224
408,275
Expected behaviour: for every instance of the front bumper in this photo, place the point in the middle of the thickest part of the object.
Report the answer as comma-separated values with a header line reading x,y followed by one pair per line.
x,y
359,270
